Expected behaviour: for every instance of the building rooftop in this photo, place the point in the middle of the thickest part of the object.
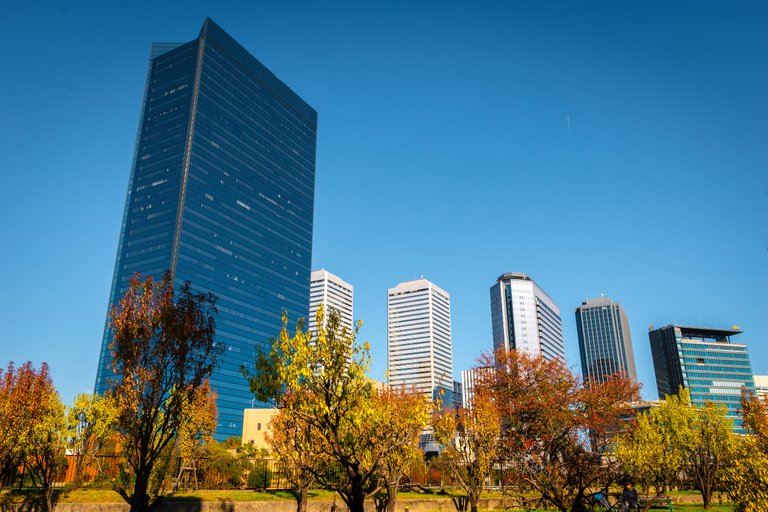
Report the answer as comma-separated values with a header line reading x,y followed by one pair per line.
x,y
514,275
692,331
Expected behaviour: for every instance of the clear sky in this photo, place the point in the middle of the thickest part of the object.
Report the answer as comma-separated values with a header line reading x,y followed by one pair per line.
x,y
601,147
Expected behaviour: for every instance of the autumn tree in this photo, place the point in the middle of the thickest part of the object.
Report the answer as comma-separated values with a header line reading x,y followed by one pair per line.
x,y
163,349
27,398
555,430
292,441
196,429
471,438
710,450
677,437
320,379
90,423
46,445
403,414
747,477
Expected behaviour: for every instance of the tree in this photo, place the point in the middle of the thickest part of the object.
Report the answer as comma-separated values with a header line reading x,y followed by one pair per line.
x,y
320,379
46,446
711,449
198,423
747,477
163,349
404,414
472,438
90,423
26,399
292,441
676,437
556,431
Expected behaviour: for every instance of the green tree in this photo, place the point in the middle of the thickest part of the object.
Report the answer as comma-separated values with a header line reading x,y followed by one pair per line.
x,y
320,379
46,446
676,437
471,438
747,477
653,450
90,423
710,450
163,349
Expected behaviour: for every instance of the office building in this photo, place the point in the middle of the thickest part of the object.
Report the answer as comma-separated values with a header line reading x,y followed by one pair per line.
x,y
605,344
706,362
761,386
221,193
469,379
524,317
458,393
419,346
331,292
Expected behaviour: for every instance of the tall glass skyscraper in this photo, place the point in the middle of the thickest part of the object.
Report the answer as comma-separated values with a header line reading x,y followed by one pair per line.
x,y
221,193
524,317
706,362
605,343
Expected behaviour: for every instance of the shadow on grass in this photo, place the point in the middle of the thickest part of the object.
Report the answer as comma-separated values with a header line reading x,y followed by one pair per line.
x,y
27,500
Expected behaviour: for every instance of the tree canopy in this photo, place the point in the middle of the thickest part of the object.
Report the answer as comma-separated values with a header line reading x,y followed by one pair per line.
x,y
163,350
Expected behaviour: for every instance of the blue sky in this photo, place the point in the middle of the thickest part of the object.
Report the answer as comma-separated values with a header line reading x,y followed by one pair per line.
x,y
600,147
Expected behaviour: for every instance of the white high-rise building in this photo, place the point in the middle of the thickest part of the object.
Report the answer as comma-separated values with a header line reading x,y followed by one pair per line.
x,y
525,318
469,379
333,293
420,354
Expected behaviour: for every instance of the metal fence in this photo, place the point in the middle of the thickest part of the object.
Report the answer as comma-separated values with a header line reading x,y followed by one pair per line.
x,y
232,472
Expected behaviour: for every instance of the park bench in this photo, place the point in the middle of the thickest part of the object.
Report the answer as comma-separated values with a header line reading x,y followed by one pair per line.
x,y
657,503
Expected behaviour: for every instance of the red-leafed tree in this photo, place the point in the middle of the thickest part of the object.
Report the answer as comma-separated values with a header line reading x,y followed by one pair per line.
x,y
555,429
163,350
32,427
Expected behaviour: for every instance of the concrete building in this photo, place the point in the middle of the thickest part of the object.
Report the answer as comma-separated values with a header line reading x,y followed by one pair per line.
x,y
761,385
331,292
706,362
605,344
419,349
524,317
255,425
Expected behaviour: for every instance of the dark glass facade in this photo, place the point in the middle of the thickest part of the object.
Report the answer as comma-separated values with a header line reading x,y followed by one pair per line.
x,y
605,344
704,361
221,193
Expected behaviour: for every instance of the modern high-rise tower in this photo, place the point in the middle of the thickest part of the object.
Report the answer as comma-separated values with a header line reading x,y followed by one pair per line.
x,y
605,343
221,193
524,317
706,362
420,353
333,293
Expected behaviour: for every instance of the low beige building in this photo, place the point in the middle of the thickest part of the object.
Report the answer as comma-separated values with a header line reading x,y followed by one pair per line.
x,y
761,385
255,425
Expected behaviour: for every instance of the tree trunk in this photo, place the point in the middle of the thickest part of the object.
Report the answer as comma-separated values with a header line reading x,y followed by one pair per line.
x,y
706,496
48,492
140,499
301,499
391,497
355,498
474,497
